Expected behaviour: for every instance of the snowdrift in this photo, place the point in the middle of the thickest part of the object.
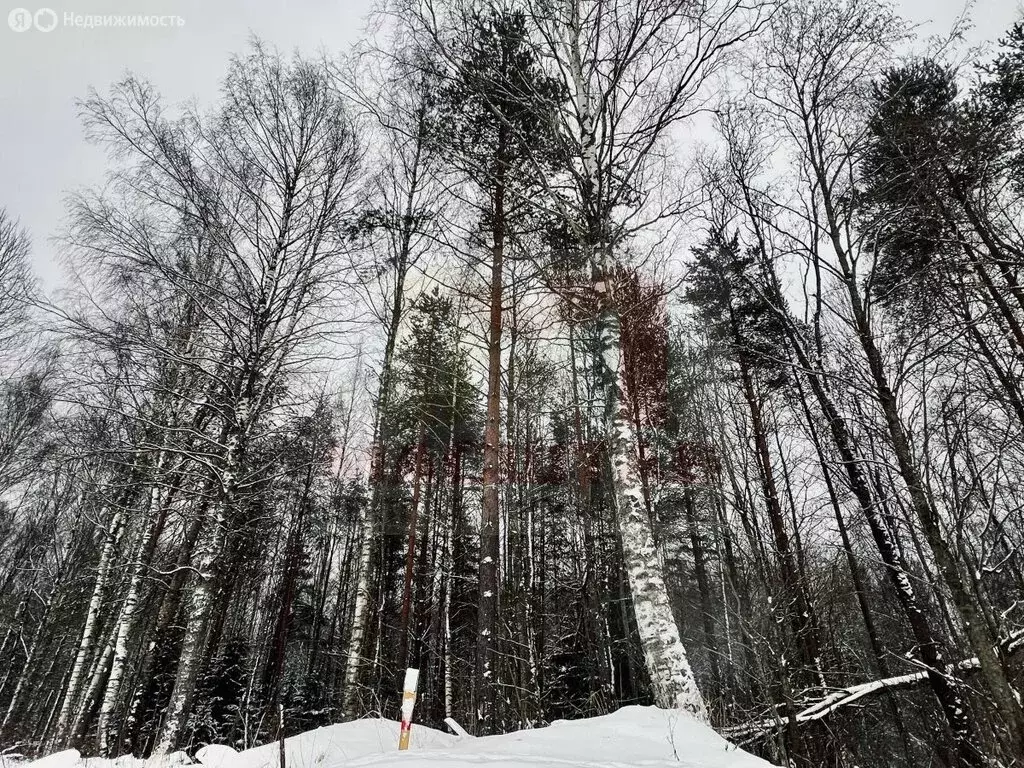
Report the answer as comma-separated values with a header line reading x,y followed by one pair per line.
x,y
633,736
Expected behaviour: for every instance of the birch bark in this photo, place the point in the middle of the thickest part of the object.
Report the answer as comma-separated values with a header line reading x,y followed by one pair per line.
x,y
672,679
88,640
127,619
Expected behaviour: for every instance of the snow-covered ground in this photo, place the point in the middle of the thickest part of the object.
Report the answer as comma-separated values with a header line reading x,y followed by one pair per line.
x,y
633,736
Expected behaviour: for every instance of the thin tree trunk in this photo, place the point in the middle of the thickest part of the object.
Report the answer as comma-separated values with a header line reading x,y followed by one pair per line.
x,y
26,670
410,555
490,551
126,620
799,611
700,571
86,645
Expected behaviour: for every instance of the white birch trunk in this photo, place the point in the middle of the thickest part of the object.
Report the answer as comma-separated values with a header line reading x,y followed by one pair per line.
x,y
85,646
126,621
195,635
203,594
99,669
672,679
449,692
26,670
531,581
360,616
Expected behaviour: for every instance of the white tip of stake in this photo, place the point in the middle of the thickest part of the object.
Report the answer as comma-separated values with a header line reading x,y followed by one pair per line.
x,y
412,678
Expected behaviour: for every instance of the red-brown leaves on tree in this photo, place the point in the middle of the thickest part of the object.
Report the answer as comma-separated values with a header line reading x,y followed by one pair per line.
x,y
644,324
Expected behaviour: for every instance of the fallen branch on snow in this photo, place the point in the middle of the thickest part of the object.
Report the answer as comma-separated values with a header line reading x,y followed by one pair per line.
x,y
846,696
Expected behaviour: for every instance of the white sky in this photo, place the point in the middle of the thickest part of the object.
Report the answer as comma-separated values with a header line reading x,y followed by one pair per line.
x,y
42,152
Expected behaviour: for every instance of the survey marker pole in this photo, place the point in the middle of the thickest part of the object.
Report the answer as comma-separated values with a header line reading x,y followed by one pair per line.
x,y
412,677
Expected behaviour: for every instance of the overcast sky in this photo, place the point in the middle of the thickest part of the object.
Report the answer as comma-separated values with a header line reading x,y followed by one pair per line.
x,y
42,152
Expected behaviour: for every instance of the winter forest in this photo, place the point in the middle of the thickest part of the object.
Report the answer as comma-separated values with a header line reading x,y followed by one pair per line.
x,y
578,353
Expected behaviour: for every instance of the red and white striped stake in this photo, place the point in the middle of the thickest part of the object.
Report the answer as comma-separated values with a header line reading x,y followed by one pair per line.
x,y
412,677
